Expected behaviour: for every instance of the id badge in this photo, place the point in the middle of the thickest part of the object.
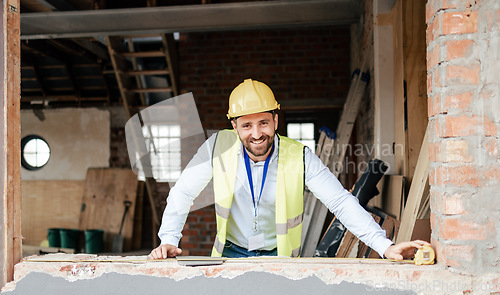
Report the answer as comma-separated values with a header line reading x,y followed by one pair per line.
x,y
256,242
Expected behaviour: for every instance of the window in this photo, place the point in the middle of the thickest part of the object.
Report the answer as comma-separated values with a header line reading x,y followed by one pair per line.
x,y
164,144
302,132
35,152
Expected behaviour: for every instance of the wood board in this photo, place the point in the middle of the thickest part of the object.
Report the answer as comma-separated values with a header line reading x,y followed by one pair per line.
x,y
418,187
106,189
49,204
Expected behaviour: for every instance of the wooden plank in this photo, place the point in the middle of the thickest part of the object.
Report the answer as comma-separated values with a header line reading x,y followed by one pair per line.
x,y
399,92
156,53
147,72
106,189
10,158
415,74
347,245
417,189
151,90
49,204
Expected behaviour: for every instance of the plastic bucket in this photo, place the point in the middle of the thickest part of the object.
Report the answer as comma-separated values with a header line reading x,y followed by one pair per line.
x,y
69,238
93,240
54,237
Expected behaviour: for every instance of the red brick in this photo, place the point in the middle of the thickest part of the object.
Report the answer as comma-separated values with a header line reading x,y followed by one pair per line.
x,y
459,102
467,126
433,29
453,205
434,105
435,153
433,57
459,22
464,175
457,151
457,75
459,126
465,230
458,49
461,252
430,10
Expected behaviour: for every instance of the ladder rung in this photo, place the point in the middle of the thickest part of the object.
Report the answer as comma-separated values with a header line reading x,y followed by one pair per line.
x,y
150,90
147,72
157,53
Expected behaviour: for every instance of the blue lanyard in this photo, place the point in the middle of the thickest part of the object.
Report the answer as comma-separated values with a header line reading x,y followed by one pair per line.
x,y
249,174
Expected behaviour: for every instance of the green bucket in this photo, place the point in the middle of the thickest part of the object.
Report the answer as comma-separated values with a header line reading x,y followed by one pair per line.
x,y
54,237
69,238
93,240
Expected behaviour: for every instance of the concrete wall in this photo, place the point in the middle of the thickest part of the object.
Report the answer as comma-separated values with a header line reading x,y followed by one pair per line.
x,y
463,67
78,138
85,274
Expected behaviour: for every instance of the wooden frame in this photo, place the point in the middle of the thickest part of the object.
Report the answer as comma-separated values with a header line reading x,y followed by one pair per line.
x,y
10,132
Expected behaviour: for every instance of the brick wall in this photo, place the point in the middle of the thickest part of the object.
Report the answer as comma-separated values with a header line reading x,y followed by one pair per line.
x,y
298,64
463,58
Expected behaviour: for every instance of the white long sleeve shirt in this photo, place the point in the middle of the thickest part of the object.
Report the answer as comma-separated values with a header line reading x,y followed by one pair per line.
x,y
318,178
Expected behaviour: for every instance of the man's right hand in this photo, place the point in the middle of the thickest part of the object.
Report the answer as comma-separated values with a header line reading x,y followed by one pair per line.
x,y
164,251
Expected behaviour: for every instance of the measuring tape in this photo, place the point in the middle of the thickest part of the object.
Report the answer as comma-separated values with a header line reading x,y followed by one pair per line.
x,y
423,256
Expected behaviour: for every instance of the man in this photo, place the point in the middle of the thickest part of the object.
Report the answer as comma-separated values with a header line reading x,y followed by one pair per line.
x,y
259,180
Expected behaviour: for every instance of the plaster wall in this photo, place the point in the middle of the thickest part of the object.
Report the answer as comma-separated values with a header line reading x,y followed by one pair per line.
x,y
78,139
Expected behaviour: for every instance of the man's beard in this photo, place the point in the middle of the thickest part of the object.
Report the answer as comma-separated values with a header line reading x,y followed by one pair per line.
x,y
259,152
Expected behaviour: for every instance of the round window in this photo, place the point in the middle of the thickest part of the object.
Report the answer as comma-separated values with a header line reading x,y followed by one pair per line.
x,y
35,152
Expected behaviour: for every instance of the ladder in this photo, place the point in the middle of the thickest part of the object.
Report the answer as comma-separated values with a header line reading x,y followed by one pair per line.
x,y
136,75
316,212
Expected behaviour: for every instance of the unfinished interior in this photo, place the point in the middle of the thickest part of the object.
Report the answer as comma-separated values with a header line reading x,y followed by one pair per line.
x,y
426,104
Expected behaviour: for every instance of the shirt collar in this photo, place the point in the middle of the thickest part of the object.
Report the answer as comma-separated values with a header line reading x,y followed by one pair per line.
x,y
275,153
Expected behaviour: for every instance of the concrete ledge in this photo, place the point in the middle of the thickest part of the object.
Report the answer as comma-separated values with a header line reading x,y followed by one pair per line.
x,y
90,274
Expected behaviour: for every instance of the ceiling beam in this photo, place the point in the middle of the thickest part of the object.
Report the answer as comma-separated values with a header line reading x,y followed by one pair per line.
x,y
187,18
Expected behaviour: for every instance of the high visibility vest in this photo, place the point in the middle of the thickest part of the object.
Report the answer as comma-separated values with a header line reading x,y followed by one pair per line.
x,y
289,190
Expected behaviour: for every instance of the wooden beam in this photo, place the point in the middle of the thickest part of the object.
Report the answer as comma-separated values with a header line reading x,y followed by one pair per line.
x,y
399,91
187,18
418,187
415,71
10,132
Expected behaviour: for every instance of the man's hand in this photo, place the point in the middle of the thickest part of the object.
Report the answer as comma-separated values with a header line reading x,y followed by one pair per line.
x,y
164,251
404,250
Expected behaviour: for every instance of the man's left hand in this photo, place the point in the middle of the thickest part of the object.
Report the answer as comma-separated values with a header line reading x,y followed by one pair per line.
x,y
404,250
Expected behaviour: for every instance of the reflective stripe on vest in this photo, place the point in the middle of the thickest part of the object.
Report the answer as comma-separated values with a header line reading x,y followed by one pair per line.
x,y
289,190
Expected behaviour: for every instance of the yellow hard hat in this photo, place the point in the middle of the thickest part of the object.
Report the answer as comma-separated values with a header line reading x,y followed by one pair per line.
x,y
251,97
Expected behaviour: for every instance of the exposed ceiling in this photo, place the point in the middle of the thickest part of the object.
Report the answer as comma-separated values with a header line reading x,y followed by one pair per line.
x,y
122,52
